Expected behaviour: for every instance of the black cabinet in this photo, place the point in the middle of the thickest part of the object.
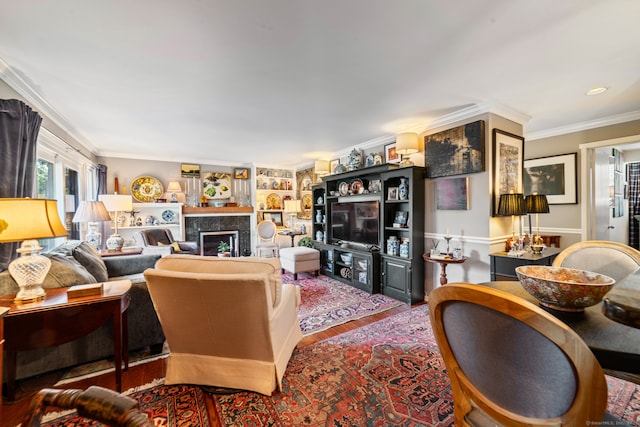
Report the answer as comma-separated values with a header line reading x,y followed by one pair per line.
x,y
503,266
357,267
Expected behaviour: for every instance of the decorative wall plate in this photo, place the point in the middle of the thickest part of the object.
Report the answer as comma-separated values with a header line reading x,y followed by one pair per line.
x,y
216,185
356,186
145,189
343,188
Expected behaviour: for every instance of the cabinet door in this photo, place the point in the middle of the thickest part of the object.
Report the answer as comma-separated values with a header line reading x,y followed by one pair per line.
x,y
396,279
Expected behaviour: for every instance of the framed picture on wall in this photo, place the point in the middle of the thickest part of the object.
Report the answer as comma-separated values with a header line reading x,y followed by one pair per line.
x,y
508,152
555,176
241,173
189,170
452,194
455,151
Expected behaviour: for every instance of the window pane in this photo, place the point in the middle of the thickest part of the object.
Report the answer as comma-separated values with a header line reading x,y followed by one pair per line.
x,y
46,181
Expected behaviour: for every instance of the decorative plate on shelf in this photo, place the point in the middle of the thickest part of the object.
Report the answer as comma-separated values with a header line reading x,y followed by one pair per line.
x,y
356,186
307,202
169,216
216,185
146,189
343,188
274,201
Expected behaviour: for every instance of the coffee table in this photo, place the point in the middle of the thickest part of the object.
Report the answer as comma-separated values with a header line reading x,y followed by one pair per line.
x,y
67,319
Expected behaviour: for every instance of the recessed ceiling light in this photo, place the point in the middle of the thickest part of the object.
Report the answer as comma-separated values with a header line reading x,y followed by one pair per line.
x,y
596,91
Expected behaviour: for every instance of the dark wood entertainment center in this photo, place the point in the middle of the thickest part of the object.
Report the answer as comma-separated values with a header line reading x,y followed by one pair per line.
x,y
374,267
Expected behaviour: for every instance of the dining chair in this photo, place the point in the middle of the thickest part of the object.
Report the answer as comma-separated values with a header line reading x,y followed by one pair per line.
x,y
512,363
266,245
612,259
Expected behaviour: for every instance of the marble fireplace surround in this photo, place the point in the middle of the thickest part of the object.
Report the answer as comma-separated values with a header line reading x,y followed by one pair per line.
x,y
194,224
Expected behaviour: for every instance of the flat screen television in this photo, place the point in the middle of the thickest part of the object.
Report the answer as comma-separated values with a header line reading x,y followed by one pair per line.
x,y
356,222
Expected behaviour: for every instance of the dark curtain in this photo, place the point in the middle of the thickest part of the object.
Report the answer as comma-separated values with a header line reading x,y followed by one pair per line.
x,y
634,203
19,127
105,227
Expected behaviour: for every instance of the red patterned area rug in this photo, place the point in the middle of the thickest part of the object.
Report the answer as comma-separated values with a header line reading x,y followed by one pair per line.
x,y
168,406
389,373
328,302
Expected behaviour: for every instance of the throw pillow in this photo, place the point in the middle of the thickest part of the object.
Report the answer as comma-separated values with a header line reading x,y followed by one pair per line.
x,y
66,271
89,257
175,246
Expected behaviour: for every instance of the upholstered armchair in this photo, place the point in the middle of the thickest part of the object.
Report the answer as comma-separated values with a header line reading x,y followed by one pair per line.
x,y
160,240
229,322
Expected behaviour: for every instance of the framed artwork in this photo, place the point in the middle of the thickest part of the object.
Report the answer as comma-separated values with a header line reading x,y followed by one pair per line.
x,y
216,185
333,164
390,154
273,216
400,219
392,193
189,170
555,176
456,151
241,173
452,194
508,152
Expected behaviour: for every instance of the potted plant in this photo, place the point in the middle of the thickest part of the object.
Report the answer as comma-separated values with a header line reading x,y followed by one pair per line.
x,y
223,249
306,241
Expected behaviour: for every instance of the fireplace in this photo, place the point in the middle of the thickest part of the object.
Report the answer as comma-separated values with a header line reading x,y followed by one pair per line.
x,y
209,241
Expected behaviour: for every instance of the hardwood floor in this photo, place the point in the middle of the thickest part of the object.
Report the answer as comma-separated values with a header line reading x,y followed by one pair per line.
x,y
12,413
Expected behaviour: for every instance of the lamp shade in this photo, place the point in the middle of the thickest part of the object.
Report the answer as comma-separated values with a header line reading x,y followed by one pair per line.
x,y
292,206
30,219
91,211
116,202
174,186
407,143
536,203
511,204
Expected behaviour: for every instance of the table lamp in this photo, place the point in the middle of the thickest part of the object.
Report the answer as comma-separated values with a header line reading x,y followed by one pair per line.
x,y
512,204
293,207
407,143
116,203
537,204
173,188
92,212
27,220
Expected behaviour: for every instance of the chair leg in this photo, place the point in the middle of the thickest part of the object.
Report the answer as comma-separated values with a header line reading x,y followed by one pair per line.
x,y
295,276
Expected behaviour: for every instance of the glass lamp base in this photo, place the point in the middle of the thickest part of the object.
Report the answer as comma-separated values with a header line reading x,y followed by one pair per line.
x,y
29,271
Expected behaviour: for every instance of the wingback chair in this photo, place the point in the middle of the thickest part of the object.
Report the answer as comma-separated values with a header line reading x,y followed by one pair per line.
x,y
229,322
512,363
162,238
613,259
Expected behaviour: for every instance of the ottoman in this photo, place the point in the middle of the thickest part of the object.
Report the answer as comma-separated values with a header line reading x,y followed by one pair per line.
x,y
300,259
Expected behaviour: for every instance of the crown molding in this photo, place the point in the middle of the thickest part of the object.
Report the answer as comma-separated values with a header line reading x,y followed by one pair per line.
x,y
37,102
582,126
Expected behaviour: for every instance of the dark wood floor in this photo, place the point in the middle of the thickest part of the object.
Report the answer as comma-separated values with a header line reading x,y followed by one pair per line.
x,y
11,413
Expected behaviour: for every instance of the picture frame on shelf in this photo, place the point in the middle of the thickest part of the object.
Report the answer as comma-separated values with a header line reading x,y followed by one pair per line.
x,y
241,173
391,155
188,170
400,219
333,164
508,165
554,176
392,193
276,217
452,193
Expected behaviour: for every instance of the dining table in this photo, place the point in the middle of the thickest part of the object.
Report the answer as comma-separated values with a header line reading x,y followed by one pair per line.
x,y
610,328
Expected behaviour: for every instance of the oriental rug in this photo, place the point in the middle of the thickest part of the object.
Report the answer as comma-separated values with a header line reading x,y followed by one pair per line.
x,y
169,406
388,373
327,302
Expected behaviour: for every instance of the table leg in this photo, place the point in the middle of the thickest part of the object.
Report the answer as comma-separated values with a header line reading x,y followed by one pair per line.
x,y
292,240
117,345
443,274
11,374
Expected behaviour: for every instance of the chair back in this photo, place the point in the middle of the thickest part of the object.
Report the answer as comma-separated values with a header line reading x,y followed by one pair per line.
x,y
512,363
95,403
612,259
156,236
267,231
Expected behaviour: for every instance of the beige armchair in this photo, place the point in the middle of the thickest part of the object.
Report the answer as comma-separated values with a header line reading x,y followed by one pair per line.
x,y
229,322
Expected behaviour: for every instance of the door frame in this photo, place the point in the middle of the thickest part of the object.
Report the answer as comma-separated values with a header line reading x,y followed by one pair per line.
x,y
587,177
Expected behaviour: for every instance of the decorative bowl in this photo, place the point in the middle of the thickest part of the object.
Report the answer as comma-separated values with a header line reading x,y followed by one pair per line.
x,y
218,203
562,288
346,258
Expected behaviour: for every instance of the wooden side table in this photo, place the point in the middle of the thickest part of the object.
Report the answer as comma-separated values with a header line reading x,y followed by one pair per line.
x,y
3,312
67,319
443,265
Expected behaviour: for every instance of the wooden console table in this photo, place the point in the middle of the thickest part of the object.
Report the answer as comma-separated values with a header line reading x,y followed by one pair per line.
x,y
66,320
503,266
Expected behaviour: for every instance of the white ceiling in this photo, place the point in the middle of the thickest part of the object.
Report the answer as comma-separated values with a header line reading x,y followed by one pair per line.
x,y
287,81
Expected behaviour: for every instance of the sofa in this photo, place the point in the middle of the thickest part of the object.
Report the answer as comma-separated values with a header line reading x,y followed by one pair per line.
x,y
73,263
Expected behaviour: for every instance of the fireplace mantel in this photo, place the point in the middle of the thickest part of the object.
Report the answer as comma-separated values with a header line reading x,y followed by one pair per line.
x,y
189,210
